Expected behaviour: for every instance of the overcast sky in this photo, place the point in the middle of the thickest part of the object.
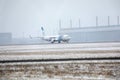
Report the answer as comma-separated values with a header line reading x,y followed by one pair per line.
x,y
25,17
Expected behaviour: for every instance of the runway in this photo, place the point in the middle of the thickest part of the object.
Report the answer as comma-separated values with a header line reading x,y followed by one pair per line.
x,y
55,52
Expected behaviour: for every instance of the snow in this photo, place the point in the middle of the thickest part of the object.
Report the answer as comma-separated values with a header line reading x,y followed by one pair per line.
x,y
59,51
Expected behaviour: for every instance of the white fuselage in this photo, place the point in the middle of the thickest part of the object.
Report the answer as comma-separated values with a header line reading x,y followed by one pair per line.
x,y
57,38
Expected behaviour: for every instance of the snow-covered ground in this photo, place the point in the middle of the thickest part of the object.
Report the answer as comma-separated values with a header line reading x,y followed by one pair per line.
x,y
60,70
60,51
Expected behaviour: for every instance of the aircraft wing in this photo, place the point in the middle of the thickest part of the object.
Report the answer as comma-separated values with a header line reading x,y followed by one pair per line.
x,y
34,37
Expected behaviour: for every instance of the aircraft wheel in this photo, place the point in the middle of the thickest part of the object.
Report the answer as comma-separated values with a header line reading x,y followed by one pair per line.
x,y
59,41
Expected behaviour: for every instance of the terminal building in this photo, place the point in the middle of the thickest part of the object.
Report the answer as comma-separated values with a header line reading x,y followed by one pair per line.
x,y
93,34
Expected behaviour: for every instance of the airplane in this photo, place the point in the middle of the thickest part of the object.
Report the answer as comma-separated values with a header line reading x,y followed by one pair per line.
x,y
56,38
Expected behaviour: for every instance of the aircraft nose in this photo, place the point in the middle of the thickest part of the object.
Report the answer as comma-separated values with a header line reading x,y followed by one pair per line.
x,y
68,37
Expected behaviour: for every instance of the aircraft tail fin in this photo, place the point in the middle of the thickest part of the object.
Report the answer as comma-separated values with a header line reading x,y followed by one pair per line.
x,y
42,28
43,33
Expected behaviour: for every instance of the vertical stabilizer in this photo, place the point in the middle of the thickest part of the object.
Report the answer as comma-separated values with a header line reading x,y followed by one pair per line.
x,y
43,32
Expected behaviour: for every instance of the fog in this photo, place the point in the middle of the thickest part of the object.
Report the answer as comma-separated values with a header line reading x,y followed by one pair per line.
x,y
25,17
